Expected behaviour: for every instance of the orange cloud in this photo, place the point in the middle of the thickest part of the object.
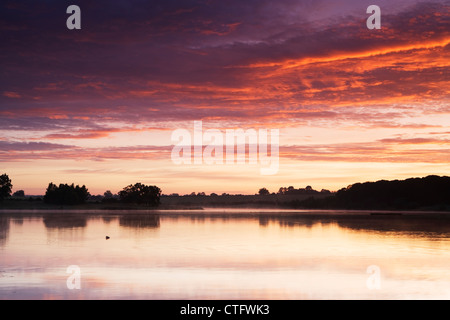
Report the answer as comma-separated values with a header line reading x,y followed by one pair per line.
x,y
98,133
294,63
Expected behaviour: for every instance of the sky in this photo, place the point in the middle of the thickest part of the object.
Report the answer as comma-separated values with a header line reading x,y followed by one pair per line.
x,y
98,106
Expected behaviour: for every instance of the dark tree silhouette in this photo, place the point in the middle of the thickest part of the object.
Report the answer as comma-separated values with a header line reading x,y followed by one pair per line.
x,y
108,194
5,186
406,194
65,194
263,192
19,193
141,194
108,197
292,191
429,193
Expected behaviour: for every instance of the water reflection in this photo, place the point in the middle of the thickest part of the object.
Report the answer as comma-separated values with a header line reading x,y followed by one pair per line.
x,y
4,230
139,221
438,224
18,221
264,221
108,219
365,221
400,225
423,223
225,256
64,221
64,228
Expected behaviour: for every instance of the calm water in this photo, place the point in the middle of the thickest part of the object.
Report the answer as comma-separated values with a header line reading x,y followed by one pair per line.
x,y
224,254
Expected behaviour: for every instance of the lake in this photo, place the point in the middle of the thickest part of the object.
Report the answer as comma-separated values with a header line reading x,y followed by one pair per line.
x,y
224,254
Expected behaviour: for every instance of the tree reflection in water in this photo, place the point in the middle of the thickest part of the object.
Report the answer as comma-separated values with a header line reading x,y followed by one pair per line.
x,y
426,223
140,221
4,230
64,221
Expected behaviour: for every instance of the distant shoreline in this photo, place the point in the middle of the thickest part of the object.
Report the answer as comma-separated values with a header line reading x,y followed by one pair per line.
x,y
428,194
231,212
255,203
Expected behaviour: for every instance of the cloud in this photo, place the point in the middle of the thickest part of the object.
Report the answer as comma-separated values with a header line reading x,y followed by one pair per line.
x,y
138,65
414,141
10,94
8,146
23,151
395,149
370,152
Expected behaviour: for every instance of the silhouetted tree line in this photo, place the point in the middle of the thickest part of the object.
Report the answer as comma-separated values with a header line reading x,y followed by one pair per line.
x,y
65,194
138,193
291,190
141,194
5,187
432,192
